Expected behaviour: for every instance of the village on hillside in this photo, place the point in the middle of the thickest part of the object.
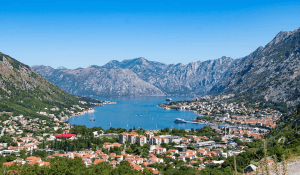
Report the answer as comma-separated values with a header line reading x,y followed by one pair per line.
x,y
215,110
24,137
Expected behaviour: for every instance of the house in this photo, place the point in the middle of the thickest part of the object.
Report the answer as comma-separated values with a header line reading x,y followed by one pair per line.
x,y
250,168
170,156
142,140
138,167
123,137
173,151
175,139
193,162
202,152
190,137
156,140
149,135
132,138
159,150
181,158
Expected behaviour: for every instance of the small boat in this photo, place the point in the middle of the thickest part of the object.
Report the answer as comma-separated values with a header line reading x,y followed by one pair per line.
x,y
179,120
92,119
168,99
109,123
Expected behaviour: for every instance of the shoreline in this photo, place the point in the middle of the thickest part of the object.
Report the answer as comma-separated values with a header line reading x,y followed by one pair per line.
x,y
90,110
154,122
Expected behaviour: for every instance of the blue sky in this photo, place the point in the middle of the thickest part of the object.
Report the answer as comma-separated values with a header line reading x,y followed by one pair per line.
x,y
82,33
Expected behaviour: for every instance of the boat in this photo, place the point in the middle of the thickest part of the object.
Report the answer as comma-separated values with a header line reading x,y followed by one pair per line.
x,y
179,120
168,99
109,123
92,119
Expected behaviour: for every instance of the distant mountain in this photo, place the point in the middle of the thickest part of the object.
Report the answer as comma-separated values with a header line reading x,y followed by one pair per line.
x,y
61,67
270,72
98,81
23,91
140,77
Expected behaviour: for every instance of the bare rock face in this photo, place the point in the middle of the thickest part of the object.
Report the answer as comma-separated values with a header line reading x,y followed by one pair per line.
x,y
139,77
270,72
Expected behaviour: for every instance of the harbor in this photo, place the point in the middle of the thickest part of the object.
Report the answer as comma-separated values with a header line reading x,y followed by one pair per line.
x,y
134,112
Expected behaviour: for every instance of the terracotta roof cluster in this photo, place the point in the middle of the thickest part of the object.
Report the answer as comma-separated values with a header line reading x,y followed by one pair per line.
x,y
31,160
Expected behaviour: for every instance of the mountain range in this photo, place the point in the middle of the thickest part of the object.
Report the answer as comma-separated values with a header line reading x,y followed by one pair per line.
x,y
270,72
139,76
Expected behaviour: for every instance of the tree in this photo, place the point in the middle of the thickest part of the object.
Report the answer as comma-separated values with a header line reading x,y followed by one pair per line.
x,y
129,150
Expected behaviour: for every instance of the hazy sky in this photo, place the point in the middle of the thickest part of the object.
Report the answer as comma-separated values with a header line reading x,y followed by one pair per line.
x,y
83,33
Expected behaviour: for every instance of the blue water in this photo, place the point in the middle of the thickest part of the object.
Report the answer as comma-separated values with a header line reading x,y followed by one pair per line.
x,y
142,112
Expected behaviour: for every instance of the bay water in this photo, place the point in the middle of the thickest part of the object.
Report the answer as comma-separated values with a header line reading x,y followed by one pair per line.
x,y
136,112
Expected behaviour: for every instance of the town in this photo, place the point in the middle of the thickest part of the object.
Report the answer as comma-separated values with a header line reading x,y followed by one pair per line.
x,y
215,110
23,137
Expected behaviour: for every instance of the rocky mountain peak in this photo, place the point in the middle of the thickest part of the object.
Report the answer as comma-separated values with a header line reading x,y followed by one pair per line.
x,y
134,62
270,72
140,77
113,64
282,35
61,68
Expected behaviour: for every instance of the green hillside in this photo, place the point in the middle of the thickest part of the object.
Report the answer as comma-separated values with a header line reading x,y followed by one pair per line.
x,y
23,91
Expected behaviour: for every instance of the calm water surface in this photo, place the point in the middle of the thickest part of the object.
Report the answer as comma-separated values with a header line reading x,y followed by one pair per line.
x,y
136,112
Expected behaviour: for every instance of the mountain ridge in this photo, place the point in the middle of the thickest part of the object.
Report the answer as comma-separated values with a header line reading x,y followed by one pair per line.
x,y
269,72
23,91
153,77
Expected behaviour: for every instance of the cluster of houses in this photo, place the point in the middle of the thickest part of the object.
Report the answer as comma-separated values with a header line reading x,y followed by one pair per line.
x,y
266,122
191,149
31,160
220,111
193,157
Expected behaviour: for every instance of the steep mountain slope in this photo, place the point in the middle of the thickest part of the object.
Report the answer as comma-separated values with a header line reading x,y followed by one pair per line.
x,y
193,78
140,77
23,91
98,81
270,72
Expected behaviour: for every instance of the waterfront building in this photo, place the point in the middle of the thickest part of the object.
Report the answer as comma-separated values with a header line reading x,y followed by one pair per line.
x,y
142,140
123,137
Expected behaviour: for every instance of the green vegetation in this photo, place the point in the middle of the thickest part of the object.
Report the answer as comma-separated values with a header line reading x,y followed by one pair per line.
x,y
83,130
207,118
259,102
64,166
23,91
82,143
90,101
205,131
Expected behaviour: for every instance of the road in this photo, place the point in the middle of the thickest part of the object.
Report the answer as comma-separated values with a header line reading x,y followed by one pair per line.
x,y
2,132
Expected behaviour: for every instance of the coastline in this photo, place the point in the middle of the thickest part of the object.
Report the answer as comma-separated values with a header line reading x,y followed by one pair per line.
x,y
90,110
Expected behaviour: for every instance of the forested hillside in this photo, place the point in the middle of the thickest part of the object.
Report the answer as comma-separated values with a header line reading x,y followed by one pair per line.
x,y
23,91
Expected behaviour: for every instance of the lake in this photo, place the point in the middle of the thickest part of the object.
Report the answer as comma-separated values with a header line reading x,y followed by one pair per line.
x,y
130,112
